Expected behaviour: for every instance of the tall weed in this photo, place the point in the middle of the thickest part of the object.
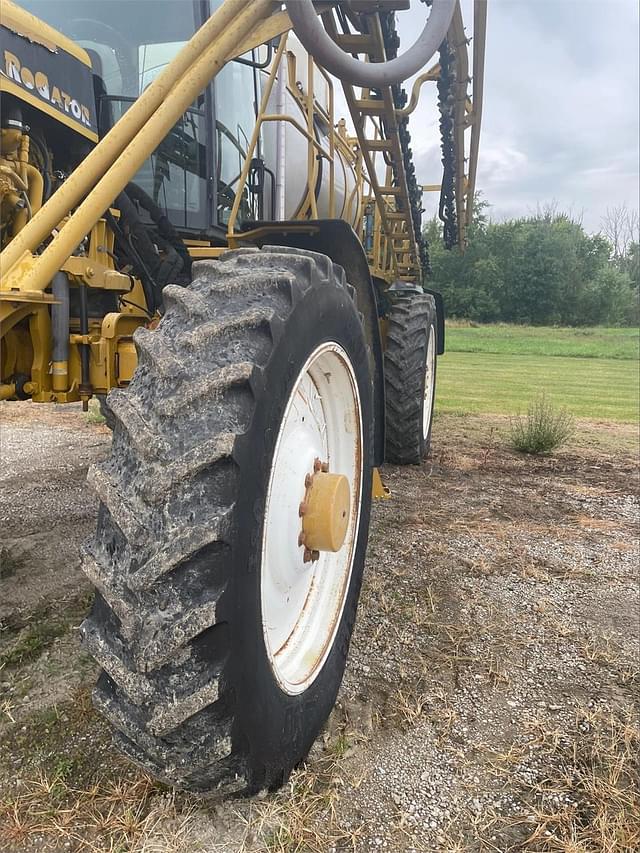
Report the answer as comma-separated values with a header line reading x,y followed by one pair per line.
x,y
543,429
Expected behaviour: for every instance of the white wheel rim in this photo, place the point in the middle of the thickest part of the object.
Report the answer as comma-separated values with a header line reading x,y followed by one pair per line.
x,y
429,382
302,603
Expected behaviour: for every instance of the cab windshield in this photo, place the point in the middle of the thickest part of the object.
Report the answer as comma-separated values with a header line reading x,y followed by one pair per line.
x,y
129,43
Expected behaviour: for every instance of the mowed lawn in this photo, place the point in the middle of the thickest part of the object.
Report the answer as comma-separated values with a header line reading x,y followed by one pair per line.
x,y
501,369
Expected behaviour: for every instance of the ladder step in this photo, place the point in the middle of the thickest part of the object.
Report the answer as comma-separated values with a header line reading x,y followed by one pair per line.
x,y
370,106
371,6
379,144
397,216
391,191
354,43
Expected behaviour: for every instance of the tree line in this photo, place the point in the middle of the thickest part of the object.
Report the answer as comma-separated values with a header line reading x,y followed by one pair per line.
x,y
543,269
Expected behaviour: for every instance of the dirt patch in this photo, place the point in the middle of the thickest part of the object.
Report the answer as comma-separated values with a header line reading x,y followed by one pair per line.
x,y
490,701
46,509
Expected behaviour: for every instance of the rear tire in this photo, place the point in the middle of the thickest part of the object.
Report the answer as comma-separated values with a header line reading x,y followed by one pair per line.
x,y
105,411
410,378
177,626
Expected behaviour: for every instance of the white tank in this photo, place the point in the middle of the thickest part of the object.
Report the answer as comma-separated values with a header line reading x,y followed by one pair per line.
x,y
292,174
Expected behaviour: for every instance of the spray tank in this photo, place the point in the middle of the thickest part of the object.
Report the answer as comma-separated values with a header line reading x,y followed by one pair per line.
x,y
285,147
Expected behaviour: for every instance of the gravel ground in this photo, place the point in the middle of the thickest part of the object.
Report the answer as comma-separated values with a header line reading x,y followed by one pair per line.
x,y
490,701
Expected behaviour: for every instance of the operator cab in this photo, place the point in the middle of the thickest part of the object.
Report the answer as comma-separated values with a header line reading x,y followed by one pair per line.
x,y
193,173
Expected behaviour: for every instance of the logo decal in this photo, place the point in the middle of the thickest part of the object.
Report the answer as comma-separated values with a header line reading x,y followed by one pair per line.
x,y
39,83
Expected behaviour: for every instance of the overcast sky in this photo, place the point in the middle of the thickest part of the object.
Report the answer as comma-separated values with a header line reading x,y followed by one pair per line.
x,y
560,107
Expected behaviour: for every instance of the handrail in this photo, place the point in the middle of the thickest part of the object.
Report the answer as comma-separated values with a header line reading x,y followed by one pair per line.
x,y
306,102
429,76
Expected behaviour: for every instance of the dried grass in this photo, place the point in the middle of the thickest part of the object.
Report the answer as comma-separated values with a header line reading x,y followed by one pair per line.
x,y
109,815
577,787
302,817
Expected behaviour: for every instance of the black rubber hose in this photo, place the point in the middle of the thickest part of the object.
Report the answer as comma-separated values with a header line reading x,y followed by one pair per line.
x,y
60,317
162,222
141,255
85,350
46,193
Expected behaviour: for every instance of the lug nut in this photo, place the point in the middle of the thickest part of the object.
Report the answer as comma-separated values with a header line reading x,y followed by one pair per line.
x,y
308,481
317,465
308,555
325,467
315,555
302,508
301,538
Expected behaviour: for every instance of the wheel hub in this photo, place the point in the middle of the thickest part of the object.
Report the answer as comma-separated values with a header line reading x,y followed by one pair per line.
x,y
325,512
311,517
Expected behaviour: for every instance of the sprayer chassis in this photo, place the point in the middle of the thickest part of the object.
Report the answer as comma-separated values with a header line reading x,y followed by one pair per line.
x,y
247,361
75,212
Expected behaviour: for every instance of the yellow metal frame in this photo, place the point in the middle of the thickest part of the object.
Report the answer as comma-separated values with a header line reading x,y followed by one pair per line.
x,y
313,146
116,159
395,252
77,207
379,491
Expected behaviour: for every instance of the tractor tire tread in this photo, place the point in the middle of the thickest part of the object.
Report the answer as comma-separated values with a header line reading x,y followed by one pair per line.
x,y
405,355
160,556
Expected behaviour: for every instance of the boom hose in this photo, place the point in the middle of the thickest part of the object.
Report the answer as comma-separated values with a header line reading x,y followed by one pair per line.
x,y
326,52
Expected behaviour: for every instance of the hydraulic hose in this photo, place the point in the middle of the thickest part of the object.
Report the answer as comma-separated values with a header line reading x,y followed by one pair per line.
x,y
60,332
85,350
60,317
326,52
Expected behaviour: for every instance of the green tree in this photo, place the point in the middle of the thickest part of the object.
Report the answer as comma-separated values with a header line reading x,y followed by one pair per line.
x,y
543,269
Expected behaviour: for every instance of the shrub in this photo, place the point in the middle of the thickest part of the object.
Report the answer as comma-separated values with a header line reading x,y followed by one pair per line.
x,y
543,429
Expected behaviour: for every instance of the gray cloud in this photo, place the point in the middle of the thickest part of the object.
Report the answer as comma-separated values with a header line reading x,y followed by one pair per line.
x,y
561,107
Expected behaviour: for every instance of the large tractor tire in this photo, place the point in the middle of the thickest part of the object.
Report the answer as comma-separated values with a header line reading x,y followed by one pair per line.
x,y
222,616
410,377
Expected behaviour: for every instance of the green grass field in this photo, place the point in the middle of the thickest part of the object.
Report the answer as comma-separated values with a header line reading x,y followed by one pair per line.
x,y
598,342
500,369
